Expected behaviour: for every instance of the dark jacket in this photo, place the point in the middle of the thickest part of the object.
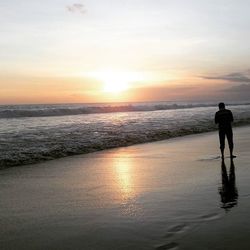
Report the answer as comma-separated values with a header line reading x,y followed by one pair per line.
x,y
224,118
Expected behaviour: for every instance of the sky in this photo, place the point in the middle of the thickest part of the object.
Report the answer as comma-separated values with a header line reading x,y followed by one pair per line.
x,y
63,51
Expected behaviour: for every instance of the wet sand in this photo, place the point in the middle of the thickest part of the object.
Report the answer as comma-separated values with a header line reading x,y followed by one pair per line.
x,y
171,194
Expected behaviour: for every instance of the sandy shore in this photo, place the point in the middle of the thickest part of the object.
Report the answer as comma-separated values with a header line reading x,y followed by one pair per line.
x,y
165,195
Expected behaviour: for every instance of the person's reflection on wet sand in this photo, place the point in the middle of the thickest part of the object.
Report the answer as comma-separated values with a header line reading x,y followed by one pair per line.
x,y
228,191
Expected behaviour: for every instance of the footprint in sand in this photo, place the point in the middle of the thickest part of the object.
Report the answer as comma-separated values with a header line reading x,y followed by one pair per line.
x,y
176,229
210,158
209,217
169,246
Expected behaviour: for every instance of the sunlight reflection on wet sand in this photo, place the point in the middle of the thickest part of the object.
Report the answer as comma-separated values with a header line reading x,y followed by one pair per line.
x,y
125,181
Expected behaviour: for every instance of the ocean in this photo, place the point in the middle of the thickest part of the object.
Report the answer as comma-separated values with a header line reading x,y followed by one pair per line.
x,y
35,133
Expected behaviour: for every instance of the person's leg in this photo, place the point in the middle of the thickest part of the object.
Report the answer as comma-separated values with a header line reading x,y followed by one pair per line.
x,y
230,142
222,142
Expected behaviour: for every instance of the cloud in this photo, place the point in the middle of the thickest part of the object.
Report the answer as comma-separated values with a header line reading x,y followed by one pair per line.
x,y
190,92
236,86
233,77
237,93
76,8
242,88
173,93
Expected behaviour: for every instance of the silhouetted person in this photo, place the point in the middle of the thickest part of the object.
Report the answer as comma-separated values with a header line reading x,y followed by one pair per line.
x,y
228,191
224,118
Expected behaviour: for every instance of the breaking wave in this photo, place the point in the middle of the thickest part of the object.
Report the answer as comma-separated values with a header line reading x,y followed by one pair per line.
x,y
36,139
21,111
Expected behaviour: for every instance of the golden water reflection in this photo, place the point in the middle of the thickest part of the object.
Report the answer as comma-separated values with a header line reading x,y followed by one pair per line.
x,y
124,173
126,180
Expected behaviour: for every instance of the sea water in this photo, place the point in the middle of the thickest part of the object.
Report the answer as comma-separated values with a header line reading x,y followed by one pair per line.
x,y
34,133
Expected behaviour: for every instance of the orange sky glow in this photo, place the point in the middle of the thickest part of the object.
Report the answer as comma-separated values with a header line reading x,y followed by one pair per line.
x,y
56,52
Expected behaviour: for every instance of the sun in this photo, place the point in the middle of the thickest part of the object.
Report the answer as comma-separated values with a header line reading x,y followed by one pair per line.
x,y
115,82
115,85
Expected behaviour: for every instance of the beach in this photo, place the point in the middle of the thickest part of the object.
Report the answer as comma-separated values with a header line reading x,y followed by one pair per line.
x,y
169,194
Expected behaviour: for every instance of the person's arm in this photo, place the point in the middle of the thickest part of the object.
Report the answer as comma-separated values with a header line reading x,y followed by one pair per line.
x,y
216,118
231,117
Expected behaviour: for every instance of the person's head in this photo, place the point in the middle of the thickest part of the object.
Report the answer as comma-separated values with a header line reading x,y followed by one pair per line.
x,y
221,105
